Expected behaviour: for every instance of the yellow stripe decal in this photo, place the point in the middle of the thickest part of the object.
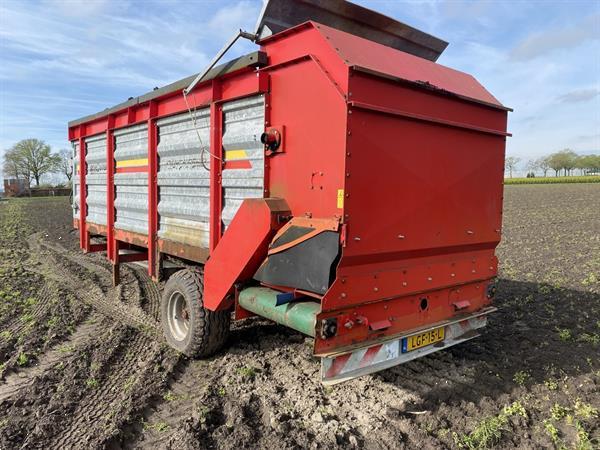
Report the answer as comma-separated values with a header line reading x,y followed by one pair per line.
x,y
231,155
340,198
132,163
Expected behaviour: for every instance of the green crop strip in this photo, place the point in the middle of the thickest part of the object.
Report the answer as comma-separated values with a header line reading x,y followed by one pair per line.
x,y
553,180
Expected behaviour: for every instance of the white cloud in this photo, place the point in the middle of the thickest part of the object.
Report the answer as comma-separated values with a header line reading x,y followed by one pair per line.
x,y
550,40
78,8
231,18
579,95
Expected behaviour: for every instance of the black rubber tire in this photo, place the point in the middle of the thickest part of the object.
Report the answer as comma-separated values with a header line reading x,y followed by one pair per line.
x,y
207,330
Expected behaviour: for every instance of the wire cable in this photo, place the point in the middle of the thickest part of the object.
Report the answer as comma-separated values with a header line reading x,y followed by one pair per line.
x,y
203,148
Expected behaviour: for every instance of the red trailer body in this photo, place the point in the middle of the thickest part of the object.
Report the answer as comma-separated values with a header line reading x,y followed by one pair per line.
x,y
399,158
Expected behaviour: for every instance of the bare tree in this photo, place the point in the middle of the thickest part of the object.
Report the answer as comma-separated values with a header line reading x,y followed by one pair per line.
x,y
34,159
66,163
544,164
11,165
532,166
510,164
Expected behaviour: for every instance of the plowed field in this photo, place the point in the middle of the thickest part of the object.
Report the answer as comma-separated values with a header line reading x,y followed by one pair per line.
x,y
84,365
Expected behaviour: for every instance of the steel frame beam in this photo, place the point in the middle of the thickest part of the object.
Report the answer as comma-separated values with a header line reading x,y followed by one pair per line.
x,y
216,165
152,192
84,237
110,189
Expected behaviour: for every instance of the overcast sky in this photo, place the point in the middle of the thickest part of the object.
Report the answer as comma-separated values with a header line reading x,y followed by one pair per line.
x,y
63,59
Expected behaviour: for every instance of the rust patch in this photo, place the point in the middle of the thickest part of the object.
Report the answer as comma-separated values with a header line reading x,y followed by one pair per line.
x,y
189,252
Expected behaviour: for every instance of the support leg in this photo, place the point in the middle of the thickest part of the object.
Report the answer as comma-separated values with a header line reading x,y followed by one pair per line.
x,y
116,274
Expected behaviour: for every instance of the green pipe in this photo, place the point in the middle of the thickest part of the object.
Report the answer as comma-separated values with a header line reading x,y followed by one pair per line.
x,y
299,315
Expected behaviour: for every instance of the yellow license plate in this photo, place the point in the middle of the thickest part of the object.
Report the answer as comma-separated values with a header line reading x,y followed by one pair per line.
x,y
422,340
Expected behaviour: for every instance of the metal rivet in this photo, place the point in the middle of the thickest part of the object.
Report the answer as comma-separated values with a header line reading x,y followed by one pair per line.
x,y
401,236
429,279
343,295
404,283
376,289
357,238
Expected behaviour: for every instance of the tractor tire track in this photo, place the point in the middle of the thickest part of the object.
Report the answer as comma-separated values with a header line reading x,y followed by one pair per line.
x,y
86,421
25,378
91,287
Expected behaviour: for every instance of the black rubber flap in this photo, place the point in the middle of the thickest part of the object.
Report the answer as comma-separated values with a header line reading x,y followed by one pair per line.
x,y
309,266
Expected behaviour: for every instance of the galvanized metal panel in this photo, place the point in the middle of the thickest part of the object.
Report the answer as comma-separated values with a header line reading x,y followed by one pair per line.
x,y
184,178
75,180
131,188
96,178
184,169
243,123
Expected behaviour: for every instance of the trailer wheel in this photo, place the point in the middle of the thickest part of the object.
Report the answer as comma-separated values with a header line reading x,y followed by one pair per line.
x,y
188,326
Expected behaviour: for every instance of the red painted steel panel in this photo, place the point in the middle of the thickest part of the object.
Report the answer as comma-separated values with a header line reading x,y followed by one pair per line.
x,y
309,173
400,96
403,313
436,186
241,249
356,51
305,41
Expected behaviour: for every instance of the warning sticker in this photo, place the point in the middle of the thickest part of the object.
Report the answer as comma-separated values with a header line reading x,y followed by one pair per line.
x,y
340,198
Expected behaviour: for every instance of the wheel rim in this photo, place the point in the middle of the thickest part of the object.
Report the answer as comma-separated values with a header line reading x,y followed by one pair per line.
x,y
179,318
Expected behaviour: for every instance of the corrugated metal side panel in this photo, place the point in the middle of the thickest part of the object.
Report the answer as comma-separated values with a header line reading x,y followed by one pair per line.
x,y
243,123
96,179
131,197
183,179
75,178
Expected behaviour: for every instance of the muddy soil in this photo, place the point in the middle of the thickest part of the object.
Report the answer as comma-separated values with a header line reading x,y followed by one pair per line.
x,y
84,365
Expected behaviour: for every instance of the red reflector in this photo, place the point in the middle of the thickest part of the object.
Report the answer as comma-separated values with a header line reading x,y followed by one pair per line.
x,y
380,325
463,304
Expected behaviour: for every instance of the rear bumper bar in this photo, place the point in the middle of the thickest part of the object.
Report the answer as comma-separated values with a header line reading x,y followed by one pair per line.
x,y
383,355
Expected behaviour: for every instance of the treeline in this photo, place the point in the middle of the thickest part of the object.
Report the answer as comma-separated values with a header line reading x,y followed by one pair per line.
x,y
564,163
30,159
